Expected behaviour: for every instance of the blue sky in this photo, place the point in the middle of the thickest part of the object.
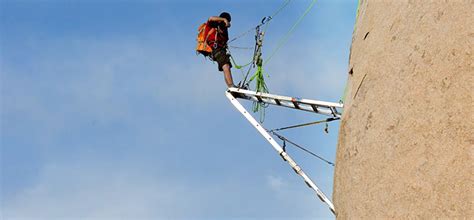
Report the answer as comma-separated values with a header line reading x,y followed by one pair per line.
x,y
107,112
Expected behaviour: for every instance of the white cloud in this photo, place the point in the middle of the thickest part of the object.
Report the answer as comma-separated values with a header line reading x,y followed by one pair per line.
x,y
104,81
275,183
93,192
108,80
97,191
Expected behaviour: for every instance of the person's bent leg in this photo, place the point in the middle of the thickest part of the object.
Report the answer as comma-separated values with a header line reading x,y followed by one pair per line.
x,y
228,75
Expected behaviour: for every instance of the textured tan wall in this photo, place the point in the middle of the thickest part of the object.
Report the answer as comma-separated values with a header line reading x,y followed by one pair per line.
x,y
406,141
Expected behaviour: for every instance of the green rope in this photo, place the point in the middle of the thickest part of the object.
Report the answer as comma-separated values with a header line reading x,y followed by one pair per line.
x,y
238,66
357,11
287,35
260,86
343,99
281,8
259,76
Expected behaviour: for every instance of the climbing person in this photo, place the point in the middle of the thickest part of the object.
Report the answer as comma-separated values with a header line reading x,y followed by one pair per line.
x,y
218,42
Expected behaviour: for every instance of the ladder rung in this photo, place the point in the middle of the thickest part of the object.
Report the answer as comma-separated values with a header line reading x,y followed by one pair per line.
x,y
277,102
295,103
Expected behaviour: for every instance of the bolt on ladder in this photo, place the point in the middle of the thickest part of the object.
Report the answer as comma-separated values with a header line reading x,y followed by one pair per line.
x,y
320,107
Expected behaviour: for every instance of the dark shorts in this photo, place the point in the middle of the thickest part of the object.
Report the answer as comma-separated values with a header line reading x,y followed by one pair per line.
x,y
221,57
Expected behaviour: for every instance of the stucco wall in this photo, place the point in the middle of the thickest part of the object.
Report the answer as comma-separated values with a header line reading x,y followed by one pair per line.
x,y
406,141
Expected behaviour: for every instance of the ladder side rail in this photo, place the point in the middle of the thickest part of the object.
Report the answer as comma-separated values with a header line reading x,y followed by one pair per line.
x,y
289,104
287,98
321,103
280,150
269,101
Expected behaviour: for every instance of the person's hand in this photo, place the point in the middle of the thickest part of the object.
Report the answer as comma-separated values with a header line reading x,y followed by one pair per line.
x,y
227,23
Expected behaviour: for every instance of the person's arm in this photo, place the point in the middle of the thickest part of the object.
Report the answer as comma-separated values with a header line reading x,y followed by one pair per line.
x,y
219,19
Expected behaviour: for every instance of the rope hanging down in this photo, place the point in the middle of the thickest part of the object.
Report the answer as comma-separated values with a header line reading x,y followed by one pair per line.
x,y
258,76
257,53
266,21
257,61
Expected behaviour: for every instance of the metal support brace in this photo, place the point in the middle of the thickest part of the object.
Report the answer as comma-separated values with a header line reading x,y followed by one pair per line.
x,y
280,150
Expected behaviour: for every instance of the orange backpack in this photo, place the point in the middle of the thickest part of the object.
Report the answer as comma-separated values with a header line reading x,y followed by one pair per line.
x,y
204,31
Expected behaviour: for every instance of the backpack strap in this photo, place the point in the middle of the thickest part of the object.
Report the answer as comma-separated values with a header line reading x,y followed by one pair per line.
x,y
215,38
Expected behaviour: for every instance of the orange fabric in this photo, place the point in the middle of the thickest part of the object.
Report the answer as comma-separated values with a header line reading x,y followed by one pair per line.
x,y
204,31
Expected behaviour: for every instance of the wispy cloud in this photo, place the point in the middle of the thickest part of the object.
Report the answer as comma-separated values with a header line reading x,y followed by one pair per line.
x,y
102,84
95,191
113,116
275,183
76,190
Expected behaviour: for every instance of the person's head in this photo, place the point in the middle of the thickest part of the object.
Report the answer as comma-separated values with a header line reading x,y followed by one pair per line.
x,y
225,15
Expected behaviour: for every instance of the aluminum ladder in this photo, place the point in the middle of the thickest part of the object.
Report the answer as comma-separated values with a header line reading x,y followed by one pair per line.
x,y
319,107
